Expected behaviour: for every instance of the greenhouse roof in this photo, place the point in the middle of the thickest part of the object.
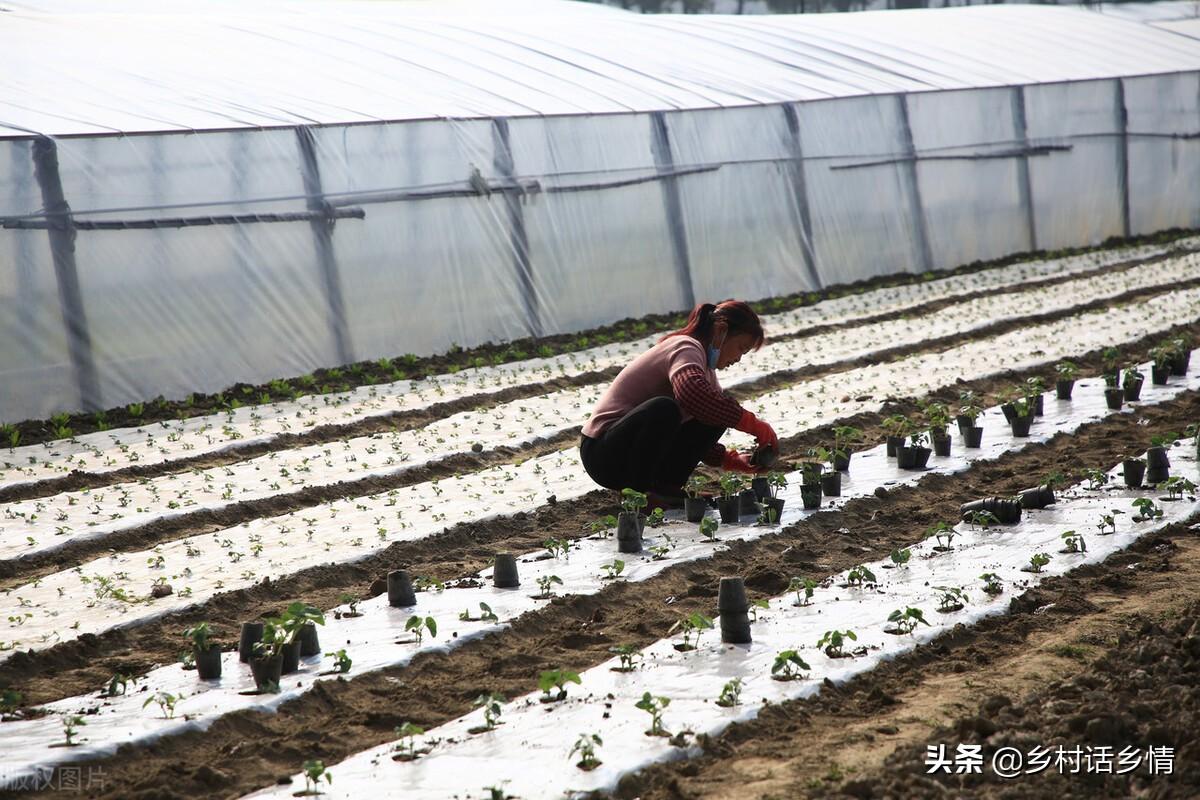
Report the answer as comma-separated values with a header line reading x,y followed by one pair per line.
x,y
70,67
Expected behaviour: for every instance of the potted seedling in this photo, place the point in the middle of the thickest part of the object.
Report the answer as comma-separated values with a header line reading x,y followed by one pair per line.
x,y
294,619
810,496
1181,354
585,746
776,481
1066,373
1022,417
897,428
761,487
1036,562
845,437
205,652
992,583
832,643
1114,397
1073,542
904,622
730,504
694,504
968,417
1160,370
1158,466
831,481
689,626
266,664
950,599
654,706
1035,389
731,694
1109,358
556,679
937,416
966,399
789,666
1133,469
629,521
1131,383
916,455
805,585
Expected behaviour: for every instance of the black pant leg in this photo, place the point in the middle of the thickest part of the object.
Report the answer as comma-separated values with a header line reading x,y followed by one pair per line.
x,y
628,453
683,454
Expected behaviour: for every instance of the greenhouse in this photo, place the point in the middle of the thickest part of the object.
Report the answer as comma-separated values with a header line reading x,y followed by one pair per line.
x,y
191,199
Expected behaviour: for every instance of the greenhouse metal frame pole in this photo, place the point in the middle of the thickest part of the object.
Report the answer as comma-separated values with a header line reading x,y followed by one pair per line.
x,y
62,249
518,236
1123,157
664,162
914,186
800,193
22,174
1024,183
322,222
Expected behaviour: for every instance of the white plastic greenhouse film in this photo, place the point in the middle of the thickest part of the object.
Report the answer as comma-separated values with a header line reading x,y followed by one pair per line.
x,y
1164,172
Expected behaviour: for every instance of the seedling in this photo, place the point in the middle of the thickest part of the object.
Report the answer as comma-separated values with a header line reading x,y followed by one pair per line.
x,y
654,706
657,517
1037,561
937,415
731,484
900,557
632,501
199,635
423,583
906,621
585,746
1066,370
558,547
731,694
775,482
944,533
1147,510
1177,486
844,436
613,570
860,575
556,679
352,601
546,584
165,702
627,655
982,519
950,597
10,700
314,771
833,641
788,666
991,583
919,439
708,528
492,705
755,605
408,732
71,724
766,516
601,526
799,584
341,661
694,486
419,626
485,614
1096,478
1163,439
1108,521
897,425
117,685
1074,542
693,625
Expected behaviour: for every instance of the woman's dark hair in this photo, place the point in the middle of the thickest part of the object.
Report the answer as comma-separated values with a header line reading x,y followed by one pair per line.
x,y
738,316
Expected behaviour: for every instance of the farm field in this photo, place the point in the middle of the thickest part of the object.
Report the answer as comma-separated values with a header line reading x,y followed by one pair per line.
x,y
112,543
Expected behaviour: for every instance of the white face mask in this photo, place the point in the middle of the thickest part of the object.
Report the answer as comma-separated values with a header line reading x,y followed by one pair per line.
x,y
714,353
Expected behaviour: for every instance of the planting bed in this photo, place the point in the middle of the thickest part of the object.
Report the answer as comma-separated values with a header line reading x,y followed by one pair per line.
x,y
437,476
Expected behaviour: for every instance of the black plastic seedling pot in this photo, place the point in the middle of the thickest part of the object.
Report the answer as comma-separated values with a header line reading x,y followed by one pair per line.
x,y
266,670
504,573
1115,397
777,504
749,502
400,589
841,461
1062,389
1005,510
1037,497
1133,388
964,422
941,446
208,662
764,457
913,457
1159,374
1180,361
694,508
761,487
1156,458
973,437
730,509
810,496
732,606
291,657
310,645
894,443
810,471
831,484
1134,469
251,632
629,533
1020,426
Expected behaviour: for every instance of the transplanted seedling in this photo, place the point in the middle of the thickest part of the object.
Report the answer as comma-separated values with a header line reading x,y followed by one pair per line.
x,y
1177,486
419,625
901,556
906,621
341,661
558,547
632,501
71,724
1036,562
943,533
788,666
992,584
1096,478
1108,522
708,528
755,605
766,516
859,576
601,526
352,601
654,706
407,750
546,585
627,655
1147,510
1074,542
556,679
731,484
165,702
585,746
805,585
314,770
951,598
492,705
731,694
613,570
692,625
117,685
833,641
656,518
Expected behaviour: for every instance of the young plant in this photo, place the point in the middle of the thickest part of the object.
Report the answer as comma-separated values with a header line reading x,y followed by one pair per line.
x,y
798,585
556,679
694,486
755,605
901,556
419,625
982,519
1037,561
601,526
906,621
314,771
1147,510
943,533
859,576
731,484
1066,370
492,705
557,547
199,634
546,585
897,425
788,666
613,570
1177,486
627,655
654,706
992,583
585,746
71,724
766,516
1074,542
708,528
844,437
775,482
833,641
341,661
937,416
1096,478
408,733
950,597
165,702
352,601
692,625
731,694
485,614
632,501
656,518
1108,521
117,685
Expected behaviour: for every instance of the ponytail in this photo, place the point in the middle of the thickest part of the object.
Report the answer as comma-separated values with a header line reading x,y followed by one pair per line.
x,y
738,316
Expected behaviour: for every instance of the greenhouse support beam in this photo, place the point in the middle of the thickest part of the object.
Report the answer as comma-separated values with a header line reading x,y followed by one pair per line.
x,y
1123,156
913,186
800,195
518,237
664,161
66,274
187,222
1024,185
321,222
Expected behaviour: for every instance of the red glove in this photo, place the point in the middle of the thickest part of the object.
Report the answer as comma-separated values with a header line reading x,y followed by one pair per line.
x,y
733,461
761,431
